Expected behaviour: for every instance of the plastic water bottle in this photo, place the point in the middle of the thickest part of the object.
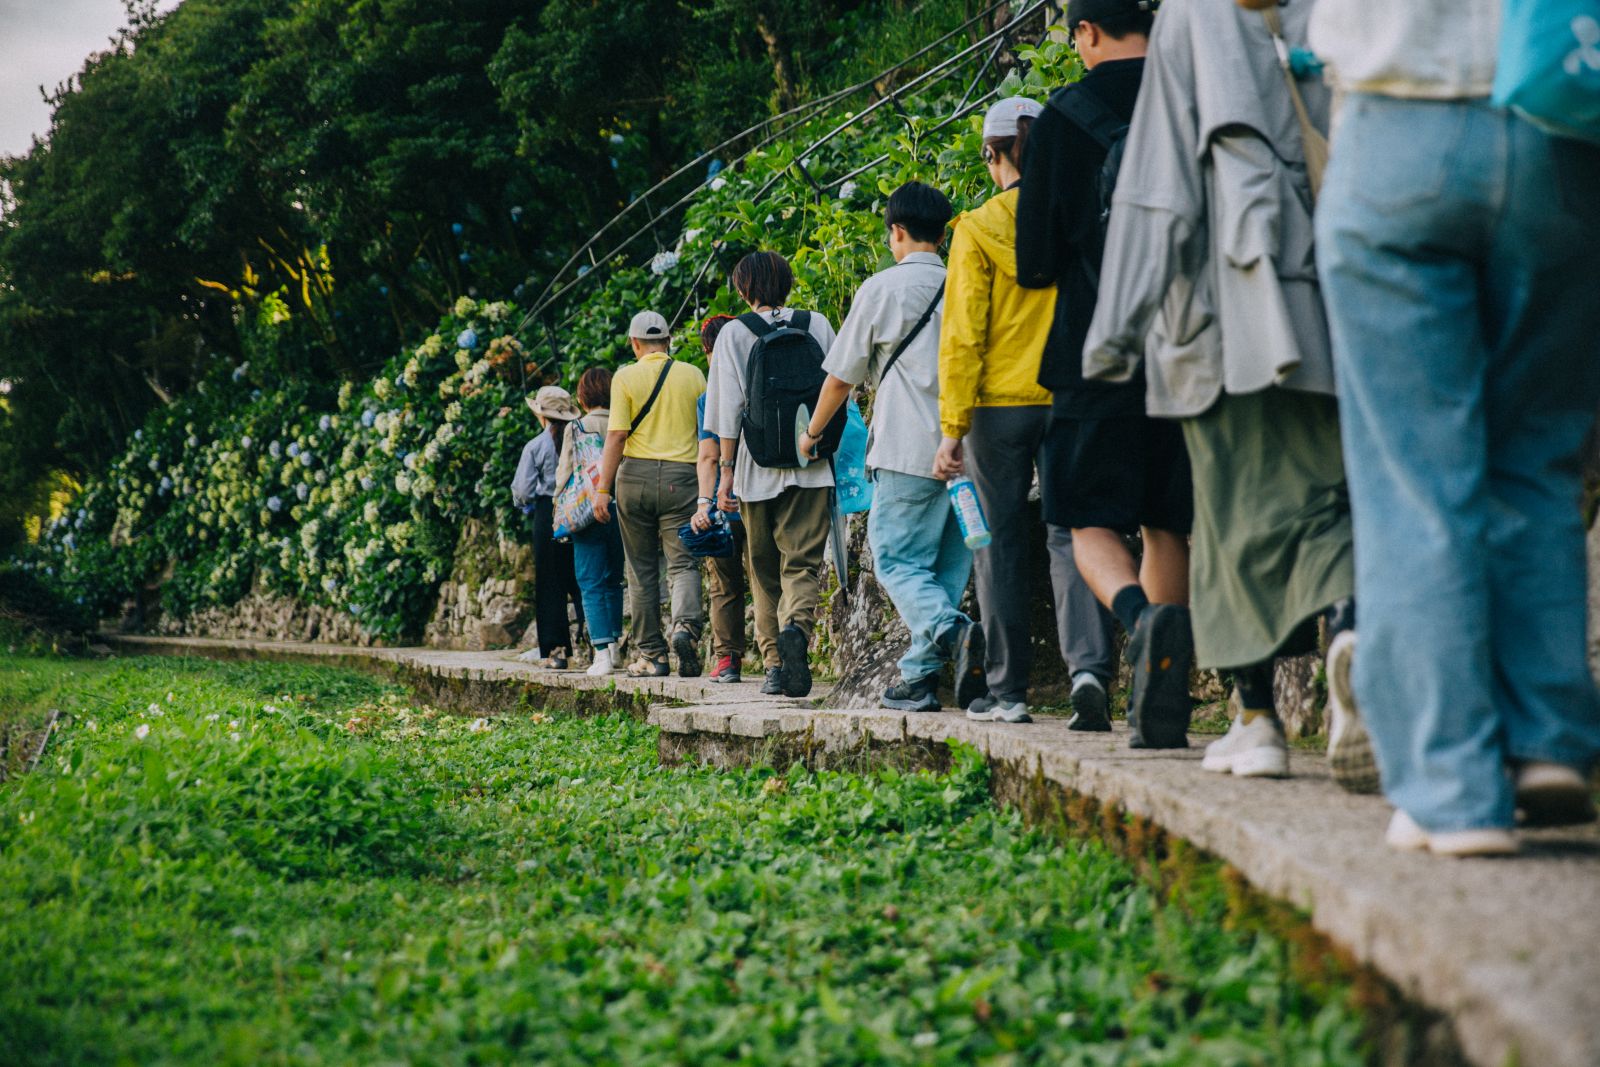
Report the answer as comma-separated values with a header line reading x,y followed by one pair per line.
x,y
969,513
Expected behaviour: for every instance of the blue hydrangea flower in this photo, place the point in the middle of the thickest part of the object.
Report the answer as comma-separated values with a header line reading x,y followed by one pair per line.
x,y
302,491
306,459
325,423
366,482
274,503
244,442
275,450
468,338
166,484
465,257
457,229
368,417
294,449
516,213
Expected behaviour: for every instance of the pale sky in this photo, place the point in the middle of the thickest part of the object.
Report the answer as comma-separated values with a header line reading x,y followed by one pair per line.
x,y
44,42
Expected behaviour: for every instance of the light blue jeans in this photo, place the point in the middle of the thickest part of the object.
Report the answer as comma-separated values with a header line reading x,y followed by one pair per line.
x,y
598,561
1460,256
921,562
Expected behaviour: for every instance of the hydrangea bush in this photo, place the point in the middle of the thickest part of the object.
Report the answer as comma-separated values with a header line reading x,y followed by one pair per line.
x,y
352,498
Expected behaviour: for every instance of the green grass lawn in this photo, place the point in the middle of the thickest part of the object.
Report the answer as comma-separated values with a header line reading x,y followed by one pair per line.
x,y
256,863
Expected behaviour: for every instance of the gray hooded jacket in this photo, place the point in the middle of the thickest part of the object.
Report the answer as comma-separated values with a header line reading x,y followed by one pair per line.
x,y
1209,273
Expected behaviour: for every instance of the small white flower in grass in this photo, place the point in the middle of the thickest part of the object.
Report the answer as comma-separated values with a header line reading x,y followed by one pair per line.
x,y
154,709
171,698
479,726
92,726
234,736
213,717
142,731
25,818
233,724
926,1039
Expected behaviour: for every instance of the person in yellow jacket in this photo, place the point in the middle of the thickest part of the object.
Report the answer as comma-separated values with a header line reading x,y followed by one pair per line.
x,y
993,414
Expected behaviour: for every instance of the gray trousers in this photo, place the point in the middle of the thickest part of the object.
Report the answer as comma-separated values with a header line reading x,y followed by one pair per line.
x,y
1002,450
653,499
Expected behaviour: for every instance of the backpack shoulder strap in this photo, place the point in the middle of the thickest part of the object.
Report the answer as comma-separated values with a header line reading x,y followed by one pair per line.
x,y
800,320
756,324
1090,114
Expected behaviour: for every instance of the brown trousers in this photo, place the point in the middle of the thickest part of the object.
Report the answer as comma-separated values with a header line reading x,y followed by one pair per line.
x,y
728,586
785,540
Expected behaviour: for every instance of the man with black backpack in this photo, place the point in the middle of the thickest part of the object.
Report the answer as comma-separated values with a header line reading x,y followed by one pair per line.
x,y
651,444
767,366
1108,470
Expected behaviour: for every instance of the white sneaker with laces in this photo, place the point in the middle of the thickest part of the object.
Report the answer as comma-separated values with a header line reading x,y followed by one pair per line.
x,y
1256,749
1404,835
603,663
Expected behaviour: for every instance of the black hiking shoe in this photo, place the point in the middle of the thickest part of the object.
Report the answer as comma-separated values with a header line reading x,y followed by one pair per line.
x,y
1090,708
969,653
687,649
919,695
794,664
773,686
1161,652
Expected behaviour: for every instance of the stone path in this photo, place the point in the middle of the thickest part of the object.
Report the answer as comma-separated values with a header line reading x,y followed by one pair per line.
x,y
1508,950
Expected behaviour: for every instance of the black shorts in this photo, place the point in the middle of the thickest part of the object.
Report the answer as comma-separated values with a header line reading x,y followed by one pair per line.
x,y
1120,472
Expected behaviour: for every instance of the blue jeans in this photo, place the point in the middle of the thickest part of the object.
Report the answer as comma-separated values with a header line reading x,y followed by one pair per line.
x,y
597,556
1457,246
921,562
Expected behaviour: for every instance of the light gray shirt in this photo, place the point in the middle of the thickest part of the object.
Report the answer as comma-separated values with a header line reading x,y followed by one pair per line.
x,y
536,471
905,407
1429,49
725,398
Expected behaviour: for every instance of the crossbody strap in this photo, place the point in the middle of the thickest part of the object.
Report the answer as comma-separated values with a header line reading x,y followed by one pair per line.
x,y
1313,142
905,342
650,401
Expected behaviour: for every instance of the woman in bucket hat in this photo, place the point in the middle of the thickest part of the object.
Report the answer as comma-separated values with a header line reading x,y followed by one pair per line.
x,y
533,490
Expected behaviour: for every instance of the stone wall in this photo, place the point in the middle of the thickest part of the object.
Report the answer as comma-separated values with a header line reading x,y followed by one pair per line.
x,y
267,617
488,599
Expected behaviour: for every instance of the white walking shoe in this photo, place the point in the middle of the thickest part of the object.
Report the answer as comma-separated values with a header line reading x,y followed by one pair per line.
x,y
1350,755
1256,749
603,662
1404,835
989,709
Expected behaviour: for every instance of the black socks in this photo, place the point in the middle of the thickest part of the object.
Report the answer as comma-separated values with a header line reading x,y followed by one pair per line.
x,y
1254,684
1340,616
1128,605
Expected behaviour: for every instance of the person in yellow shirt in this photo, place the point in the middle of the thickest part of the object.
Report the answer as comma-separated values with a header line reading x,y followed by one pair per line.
x,y
993,415
652,441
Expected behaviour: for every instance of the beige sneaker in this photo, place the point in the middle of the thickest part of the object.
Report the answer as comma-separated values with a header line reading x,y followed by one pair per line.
x,y
1553,794
1256,749
1350,756
1404,835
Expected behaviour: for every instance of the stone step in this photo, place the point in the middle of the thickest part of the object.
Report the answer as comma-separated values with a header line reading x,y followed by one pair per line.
x,y
1507,950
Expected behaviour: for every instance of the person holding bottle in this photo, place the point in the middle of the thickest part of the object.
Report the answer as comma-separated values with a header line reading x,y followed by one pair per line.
x,y
994,415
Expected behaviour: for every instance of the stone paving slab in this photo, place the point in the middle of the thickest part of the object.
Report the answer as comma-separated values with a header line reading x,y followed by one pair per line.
x,y
1507,949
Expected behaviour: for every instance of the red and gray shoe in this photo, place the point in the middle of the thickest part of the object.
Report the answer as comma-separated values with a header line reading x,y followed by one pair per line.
x,y
727,669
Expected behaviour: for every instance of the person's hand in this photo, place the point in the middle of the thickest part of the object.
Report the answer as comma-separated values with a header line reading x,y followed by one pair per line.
x,y
725,499
808,445
602,507
947,462
702,517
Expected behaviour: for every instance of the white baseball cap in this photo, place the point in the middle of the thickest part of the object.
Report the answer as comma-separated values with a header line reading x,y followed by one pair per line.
x,y
1001,118
649,326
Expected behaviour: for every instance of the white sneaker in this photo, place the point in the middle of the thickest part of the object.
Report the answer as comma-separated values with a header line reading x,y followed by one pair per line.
x,y
1553,794
1350,756
1256,749
533,655
603,663
1013,711
1404,835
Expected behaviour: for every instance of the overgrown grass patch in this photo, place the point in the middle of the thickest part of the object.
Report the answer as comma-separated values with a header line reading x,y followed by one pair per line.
x,y
256,863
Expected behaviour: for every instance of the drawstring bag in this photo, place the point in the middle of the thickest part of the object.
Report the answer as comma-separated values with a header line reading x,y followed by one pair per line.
x,y
1549,65
853,489
573,508
715,542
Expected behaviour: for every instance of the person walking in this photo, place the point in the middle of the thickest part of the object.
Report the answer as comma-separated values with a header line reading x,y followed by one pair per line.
x,y
785,510
1456,241
993,416
533,489
1109,470
728,584
891,337
1209,283
597,549
649,470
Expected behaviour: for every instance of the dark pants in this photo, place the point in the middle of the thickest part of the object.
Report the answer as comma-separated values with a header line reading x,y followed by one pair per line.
x,y
554,581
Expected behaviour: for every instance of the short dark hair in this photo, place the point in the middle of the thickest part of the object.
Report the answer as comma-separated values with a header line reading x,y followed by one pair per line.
x,y
923,210
594,388
763,278
1132,24
1012,147
710,329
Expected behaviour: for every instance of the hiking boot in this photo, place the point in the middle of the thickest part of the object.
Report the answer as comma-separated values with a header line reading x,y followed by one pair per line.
x,y
795,664
687,649
645,667
989,708
1350,756
1090,706
919,695
968,651
726,670
1553,794
1160,651
982,709
1254,749
773,686
1404,835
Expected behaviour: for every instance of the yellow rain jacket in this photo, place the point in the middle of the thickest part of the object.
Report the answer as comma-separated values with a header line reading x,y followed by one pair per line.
x,y
994,330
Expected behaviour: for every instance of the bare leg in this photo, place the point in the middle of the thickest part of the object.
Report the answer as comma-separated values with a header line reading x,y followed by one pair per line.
x,y
1164,571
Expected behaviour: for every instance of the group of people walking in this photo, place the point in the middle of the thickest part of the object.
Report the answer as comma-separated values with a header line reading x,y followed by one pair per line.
x,y
1298,390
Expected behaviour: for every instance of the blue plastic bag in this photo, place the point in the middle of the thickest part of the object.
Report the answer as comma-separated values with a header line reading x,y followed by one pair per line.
x,y
1549,65
850,464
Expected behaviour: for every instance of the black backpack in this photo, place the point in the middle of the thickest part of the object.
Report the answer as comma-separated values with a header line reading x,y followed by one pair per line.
x,y
784,371
1094,117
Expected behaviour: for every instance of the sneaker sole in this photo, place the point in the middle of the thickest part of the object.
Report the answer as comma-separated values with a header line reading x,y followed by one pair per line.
x,y
1350,756
1555,806
687,649
927,704
793,663
971,680
1257,763
1160,703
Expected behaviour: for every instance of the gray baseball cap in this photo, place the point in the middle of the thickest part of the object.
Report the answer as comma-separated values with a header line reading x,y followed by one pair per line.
x,y
649,326
1001,118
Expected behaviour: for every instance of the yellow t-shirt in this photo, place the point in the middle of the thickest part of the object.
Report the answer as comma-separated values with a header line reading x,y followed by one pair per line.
x,y
671,429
